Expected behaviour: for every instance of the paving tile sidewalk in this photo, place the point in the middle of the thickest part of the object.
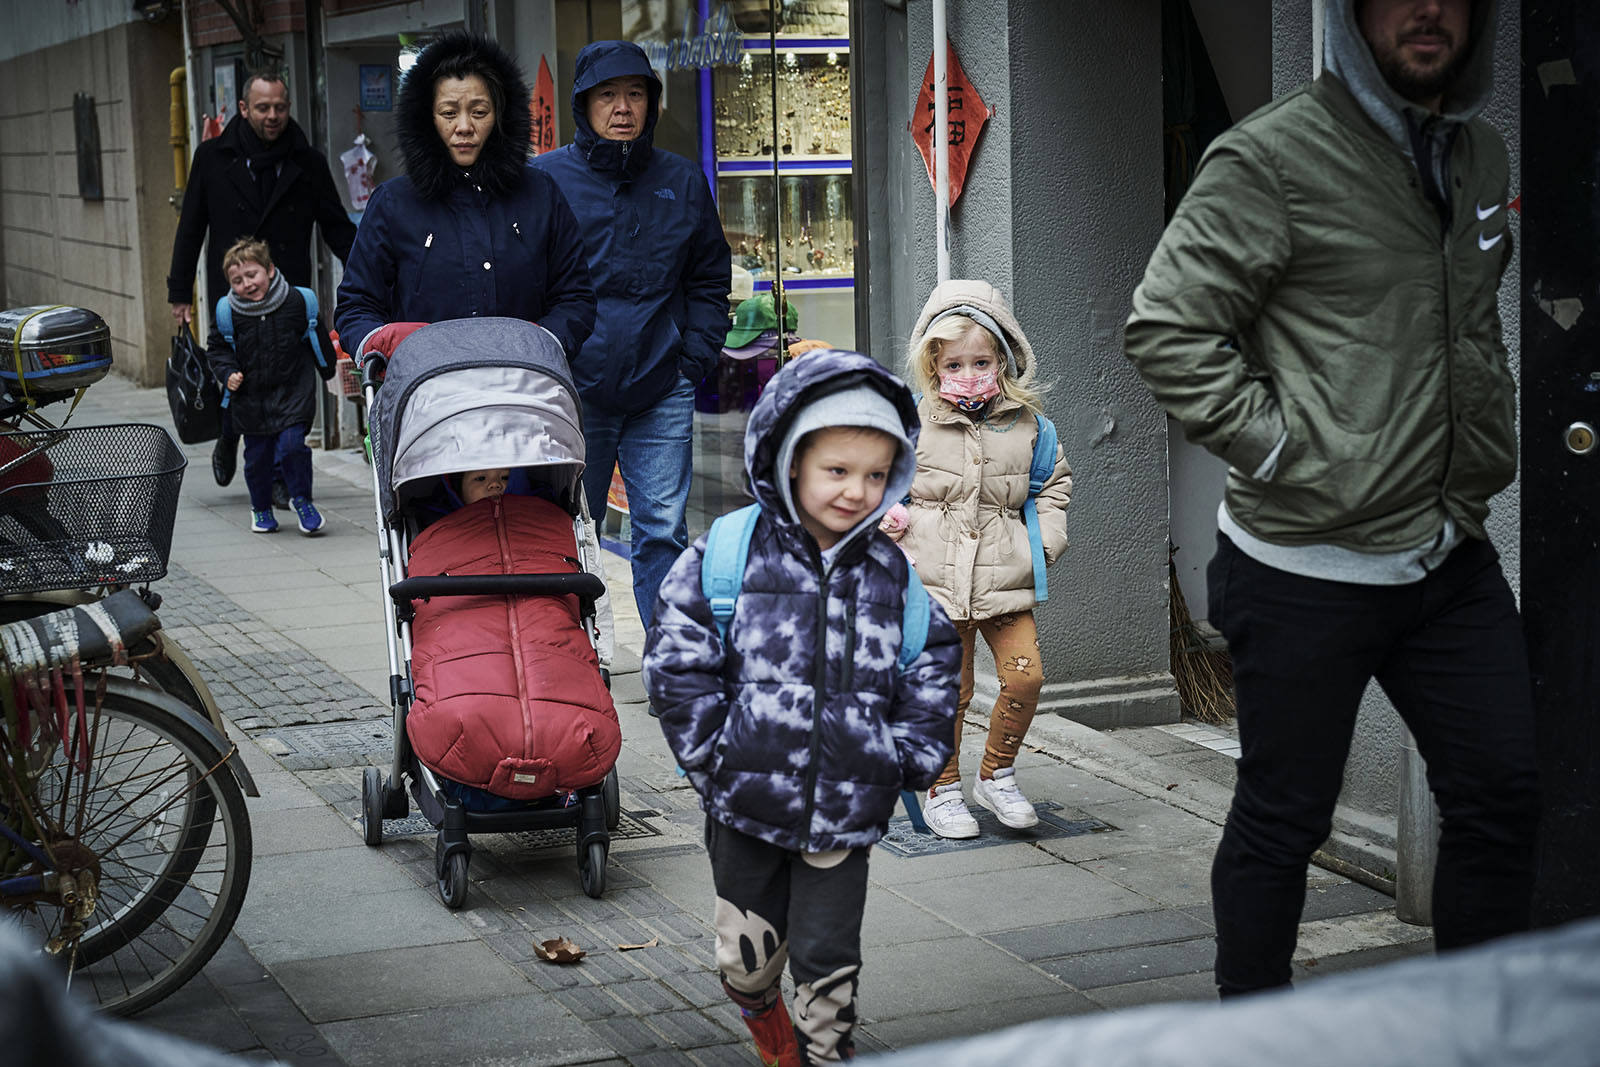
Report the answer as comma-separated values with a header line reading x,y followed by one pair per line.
x,y
344,953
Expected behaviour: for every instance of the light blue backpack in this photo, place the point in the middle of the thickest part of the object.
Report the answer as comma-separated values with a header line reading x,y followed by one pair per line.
x,y
224,317
722,577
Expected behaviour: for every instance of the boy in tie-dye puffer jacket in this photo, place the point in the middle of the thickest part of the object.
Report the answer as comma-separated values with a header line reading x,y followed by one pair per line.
x,y
797,728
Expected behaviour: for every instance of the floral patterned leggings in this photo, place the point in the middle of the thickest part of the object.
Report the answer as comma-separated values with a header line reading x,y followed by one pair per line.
x,y
1014,640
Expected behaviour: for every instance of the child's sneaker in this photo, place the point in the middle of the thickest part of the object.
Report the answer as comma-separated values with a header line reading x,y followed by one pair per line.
x,y
947,815
1001,796
263,521
310,517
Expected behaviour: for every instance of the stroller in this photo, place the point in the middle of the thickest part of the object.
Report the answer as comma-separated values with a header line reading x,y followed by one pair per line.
x,y
463,395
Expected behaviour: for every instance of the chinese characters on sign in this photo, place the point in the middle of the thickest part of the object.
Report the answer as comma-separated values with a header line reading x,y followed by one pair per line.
x,y
967,115
541,109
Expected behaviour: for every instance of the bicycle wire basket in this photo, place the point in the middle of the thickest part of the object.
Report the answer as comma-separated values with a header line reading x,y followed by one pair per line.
x,y
87,506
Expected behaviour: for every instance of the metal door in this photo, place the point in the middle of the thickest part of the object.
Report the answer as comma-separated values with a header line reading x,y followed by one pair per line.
x,y
1560,397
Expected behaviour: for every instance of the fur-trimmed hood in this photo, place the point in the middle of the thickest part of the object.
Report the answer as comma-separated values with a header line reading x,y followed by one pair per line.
x,y
427,159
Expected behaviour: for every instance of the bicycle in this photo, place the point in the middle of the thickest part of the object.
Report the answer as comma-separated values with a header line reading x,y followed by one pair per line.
x,y
125,845
55,354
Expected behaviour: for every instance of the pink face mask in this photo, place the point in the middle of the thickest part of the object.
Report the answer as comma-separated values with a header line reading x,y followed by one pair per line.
x,y
969,392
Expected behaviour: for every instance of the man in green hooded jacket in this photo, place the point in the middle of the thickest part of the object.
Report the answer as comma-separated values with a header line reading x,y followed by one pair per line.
x,y
1321,313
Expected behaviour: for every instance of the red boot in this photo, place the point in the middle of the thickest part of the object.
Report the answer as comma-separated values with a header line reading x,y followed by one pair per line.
x,y
774,1035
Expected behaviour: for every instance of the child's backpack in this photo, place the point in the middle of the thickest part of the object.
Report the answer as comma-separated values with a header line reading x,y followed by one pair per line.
x,y
722,577
325,367
1044,464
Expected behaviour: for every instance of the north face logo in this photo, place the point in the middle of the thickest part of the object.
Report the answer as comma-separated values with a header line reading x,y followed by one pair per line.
x,y
665,194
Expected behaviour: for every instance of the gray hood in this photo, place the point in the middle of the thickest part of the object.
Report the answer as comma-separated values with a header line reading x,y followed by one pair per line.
x,y
1346,55
827,388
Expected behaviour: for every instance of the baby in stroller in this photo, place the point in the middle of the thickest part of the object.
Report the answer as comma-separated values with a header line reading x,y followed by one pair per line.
x,y
510,706
499,635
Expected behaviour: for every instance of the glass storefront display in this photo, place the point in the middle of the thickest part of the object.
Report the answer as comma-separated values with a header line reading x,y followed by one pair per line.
x,y
778,159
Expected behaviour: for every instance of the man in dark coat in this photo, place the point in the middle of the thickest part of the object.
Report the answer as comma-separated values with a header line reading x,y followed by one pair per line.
x,y
260,177
661,271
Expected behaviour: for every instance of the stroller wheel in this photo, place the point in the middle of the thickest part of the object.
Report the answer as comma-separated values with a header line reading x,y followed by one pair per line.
x,y
592,869
372,806
453,880
612,796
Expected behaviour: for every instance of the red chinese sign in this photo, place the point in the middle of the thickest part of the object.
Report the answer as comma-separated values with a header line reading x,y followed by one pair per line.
x,y
541,109
967,115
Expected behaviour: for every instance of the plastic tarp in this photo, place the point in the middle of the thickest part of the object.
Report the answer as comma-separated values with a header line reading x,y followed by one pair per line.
x,y
1528,1000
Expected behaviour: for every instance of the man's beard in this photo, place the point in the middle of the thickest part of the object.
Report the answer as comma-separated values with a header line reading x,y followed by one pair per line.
x,y
1418,83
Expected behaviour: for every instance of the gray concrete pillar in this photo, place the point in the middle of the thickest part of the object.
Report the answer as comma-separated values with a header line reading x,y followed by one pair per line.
x,y
1062,207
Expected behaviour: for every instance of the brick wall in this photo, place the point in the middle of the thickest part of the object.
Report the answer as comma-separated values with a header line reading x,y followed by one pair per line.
x,y
210,25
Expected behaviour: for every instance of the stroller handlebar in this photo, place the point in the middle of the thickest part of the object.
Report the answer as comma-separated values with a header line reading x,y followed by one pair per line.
x,y
583,585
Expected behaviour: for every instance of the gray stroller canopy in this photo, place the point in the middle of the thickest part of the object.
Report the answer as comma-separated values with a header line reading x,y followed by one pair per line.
x,y
471,394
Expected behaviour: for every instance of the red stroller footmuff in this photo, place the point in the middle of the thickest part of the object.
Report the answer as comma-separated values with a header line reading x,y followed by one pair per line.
x,y
509,696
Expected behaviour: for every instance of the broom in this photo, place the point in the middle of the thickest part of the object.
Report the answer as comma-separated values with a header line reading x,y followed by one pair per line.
x,y
1202,675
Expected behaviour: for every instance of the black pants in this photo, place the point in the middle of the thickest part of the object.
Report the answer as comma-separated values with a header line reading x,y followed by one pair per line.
x,y
1449,653
774,904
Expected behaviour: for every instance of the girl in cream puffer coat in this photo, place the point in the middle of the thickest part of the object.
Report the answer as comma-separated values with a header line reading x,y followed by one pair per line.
x,y
963,526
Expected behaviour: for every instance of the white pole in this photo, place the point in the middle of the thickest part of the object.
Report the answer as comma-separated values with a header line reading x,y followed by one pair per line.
x,y
941,140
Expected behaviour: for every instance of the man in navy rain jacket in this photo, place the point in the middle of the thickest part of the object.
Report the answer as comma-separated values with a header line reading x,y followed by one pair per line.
x,y
660,268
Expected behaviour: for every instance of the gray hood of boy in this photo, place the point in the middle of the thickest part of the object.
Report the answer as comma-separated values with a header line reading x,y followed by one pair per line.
x,y
1347,56
818,390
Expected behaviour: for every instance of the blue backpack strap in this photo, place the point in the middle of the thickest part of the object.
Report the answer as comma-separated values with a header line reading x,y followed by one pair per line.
x,y
914,627
224,317
1044,464
913,639
722,566
310,298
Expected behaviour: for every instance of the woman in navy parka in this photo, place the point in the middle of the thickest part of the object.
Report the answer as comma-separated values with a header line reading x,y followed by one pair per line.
x,y
470,229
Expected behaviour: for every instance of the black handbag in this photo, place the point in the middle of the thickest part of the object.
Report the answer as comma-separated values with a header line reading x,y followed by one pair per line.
x,y
192,393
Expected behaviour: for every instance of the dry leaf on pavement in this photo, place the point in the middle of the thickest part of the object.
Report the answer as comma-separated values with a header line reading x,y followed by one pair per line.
x,y
558,950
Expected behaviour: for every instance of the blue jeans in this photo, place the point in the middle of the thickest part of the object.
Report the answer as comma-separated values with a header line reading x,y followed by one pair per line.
x,y
1449,653
286,450
655,450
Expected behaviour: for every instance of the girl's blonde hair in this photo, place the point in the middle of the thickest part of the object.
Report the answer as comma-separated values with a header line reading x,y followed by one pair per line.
x,y
923,361
247,249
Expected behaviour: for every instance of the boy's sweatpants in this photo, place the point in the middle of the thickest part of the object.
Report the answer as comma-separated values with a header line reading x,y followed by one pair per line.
x,y
804,907
286,450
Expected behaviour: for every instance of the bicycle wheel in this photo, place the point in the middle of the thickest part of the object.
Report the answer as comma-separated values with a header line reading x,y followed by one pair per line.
x,y
161,822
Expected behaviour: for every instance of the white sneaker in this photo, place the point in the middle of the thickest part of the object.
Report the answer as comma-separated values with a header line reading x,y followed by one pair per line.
x,y
947,814
1001,796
